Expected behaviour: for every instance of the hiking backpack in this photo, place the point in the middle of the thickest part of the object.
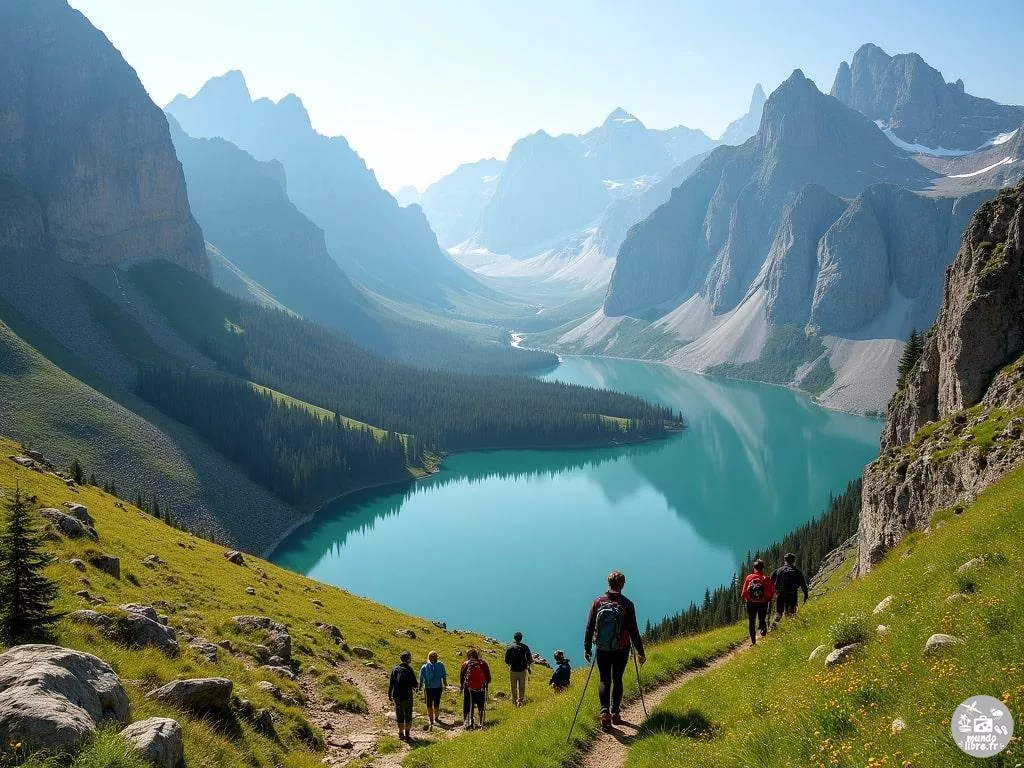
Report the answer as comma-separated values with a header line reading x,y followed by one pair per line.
x,y
476,680
608,626
755,590
521,656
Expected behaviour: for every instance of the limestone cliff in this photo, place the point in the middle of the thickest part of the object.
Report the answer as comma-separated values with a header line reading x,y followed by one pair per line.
x,y
86,160
956,424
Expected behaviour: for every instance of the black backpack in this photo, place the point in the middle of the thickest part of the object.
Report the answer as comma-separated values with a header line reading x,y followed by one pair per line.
x,y
787,580
520,657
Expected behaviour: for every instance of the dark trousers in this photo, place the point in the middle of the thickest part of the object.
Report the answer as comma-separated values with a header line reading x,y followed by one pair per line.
x,y
786,605
611,665
758,612
472,699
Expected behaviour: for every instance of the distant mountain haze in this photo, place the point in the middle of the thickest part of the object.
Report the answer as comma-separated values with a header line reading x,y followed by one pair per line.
x,y
87,168
388,248
742,128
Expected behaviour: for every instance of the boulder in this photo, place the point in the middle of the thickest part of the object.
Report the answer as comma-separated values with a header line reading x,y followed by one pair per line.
x,y
938,641
151,561
317,603
331,631
284,672
108,564
201,694
278,640
956,597
56,698
204,648
406,633
80,512
158,741
225,644
91,617
269,688
897,726
77,564
68,525
234,556
817,652
137,630
362,653
882,629
974,562
250,591
839,655
276,661
23,461
882,606
142,610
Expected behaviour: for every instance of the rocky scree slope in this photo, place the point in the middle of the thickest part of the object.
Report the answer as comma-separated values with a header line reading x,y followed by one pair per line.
x,y
75,125
956,424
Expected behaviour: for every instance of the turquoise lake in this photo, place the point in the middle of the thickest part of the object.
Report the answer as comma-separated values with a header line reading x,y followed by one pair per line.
x,y
506,540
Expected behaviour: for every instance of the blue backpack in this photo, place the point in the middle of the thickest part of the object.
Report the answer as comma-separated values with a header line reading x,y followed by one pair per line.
x,y
608,626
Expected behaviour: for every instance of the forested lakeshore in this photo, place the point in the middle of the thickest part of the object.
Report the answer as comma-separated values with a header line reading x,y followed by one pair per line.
x,y
811,543
297,454
445,411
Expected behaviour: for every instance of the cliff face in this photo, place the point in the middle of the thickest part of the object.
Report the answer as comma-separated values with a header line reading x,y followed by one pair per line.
x,y
83,151
956,425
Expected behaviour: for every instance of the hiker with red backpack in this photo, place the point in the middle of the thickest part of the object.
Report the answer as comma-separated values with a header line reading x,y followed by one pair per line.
x,y
613,629
474,677
757,592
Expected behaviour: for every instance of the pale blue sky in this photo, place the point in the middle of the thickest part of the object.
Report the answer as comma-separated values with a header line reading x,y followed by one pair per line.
x,y
419,87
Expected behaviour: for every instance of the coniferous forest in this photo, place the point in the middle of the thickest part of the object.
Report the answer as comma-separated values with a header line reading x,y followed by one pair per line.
x,y
811,543
303,458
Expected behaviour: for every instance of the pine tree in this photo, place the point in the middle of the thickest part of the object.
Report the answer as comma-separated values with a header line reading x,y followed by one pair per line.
x,y
911,354
26,595
77,473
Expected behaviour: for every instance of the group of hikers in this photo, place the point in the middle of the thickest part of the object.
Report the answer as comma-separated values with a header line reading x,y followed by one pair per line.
x,y
611,636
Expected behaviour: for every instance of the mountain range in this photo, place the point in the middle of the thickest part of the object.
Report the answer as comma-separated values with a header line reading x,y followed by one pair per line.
x,y
381,245
806,255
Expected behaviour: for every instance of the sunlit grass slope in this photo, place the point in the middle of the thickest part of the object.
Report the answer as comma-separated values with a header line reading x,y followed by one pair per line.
x,y
773,707
200,592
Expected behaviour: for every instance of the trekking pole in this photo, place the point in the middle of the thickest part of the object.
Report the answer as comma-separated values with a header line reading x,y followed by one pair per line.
x,y
582,696
639,684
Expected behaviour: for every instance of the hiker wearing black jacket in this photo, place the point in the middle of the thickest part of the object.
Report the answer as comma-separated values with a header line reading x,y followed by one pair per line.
x,y
518,659
788,580
400,689
612,627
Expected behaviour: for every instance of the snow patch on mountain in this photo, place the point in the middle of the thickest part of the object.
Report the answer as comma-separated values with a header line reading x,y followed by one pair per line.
x,y
918,149
986,169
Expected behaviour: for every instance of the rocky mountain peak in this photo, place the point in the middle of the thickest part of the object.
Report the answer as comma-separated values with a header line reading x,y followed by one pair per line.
x,y
913,99
619,116
741,129
85,156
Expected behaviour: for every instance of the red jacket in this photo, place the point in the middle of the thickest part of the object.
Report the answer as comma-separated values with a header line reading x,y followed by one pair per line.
x,y
766,584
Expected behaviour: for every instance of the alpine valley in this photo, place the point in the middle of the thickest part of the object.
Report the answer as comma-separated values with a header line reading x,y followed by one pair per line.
x,y
241,381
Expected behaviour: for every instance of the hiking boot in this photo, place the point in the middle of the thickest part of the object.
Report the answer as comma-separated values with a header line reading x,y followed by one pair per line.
x,y
764,632
606,721
616,718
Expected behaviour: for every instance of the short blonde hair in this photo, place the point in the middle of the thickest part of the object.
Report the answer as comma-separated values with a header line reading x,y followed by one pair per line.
x,y
616,579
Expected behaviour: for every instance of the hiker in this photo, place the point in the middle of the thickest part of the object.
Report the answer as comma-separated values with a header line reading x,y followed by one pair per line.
x,y
757,593
474,677
433,680
612,627
563,671
519,660
403,682
788,581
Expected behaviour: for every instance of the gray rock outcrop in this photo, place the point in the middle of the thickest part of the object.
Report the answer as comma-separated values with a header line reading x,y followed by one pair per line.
x,y
142,628
937,641
69,525
158,740
839,655
278,639
203,694
56,698
969,358
86,159
109,564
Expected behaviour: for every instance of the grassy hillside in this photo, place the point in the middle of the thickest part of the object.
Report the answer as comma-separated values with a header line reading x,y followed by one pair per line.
x,y
773,707
200,591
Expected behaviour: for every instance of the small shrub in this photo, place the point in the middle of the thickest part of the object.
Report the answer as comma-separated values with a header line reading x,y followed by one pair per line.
x,y
965,584
999,619
848,629
131,578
